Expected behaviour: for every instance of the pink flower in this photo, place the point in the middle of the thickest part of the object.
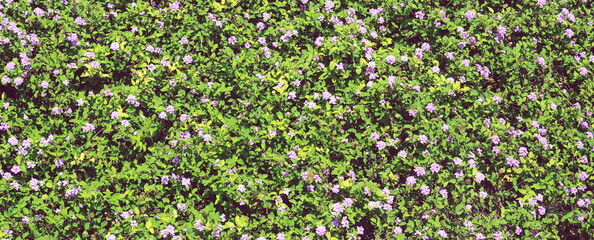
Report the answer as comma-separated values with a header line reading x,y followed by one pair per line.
x,y
232,40
15,169
419,15
174,6
114,46
430,107
318,41
292,155
261,26
10,66
170,109
423,138
571,17
391,80
420,171
583,176
483,70
444,193
553,106
471,163
568,33
523,152
80,21
442,233
435,69
512,162
337,209
44,84
88,127
186,182
497,99
483,195
425,190
168,231
390,59
374,136
188,59
411,181
402,154
470,14
542,210
321,230
435,167
328,5
479,177
560,18
425,47
89,54
125,123
541,61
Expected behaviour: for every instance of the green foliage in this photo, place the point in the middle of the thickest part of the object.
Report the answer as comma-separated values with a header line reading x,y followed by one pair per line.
x,y
369,119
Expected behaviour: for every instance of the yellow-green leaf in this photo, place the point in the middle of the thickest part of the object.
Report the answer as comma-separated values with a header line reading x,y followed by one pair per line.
x,y
241,221
149,225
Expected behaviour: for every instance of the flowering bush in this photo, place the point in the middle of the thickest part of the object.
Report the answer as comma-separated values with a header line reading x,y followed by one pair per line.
x,y
296,119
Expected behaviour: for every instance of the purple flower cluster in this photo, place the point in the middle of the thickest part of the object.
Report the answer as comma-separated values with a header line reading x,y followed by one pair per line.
x,y
483,71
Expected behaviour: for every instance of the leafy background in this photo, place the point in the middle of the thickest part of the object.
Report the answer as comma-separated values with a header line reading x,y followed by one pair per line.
x,y
296,119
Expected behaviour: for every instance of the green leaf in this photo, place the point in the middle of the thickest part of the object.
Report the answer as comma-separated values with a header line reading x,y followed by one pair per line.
x,y
149,225
242,221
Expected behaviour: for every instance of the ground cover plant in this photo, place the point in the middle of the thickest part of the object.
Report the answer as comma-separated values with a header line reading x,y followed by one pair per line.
x,y
296,119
